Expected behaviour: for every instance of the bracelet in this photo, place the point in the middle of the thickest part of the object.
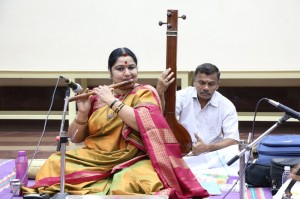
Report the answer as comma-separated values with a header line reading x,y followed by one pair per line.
x,y
113,103
81,123
119,108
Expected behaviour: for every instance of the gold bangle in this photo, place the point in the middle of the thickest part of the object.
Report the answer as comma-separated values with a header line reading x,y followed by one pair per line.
x,y
119,108
81,123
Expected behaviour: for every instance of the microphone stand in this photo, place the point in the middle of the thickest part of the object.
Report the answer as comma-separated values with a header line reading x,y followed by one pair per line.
x,y
282,120
61,146
242,146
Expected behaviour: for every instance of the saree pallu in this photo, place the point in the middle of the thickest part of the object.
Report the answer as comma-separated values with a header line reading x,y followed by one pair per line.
x,y
165,155
116,161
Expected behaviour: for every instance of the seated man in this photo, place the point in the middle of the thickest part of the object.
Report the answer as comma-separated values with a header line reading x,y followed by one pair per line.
x,y
209,117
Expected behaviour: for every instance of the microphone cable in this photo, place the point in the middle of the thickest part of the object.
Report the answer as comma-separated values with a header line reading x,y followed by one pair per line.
x,y
241,173
40,140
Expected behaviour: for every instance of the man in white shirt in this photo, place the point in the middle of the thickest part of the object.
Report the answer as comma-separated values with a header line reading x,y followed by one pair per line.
x,y
209,117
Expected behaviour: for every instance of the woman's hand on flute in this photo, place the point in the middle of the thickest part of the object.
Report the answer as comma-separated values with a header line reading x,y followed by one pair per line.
x,y
104,93
84,103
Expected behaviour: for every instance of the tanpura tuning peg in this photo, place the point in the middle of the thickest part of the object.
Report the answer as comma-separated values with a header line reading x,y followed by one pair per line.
x,y
183,17
162,23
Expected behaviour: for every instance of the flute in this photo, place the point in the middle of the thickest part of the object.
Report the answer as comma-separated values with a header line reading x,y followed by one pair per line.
x,y
85,95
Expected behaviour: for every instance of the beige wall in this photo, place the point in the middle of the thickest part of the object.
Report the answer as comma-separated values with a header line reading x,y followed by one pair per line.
x,y
79,34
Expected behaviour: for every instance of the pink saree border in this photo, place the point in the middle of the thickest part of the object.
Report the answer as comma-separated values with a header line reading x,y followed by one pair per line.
x,y
165,154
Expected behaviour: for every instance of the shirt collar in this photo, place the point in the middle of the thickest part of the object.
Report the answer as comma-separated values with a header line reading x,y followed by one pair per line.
x,y
213,100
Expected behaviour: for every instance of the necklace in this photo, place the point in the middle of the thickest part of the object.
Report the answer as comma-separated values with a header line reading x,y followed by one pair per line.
x,y
121,98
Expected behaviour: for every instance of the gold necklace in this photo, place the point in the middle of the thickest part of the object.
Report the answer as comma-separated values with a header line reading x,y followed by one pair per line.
x,y
111,115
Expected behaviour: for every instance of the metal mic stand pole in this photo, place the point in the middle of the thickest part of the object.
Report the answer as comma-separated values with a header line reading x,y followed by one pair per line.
x,y
61,146
242,146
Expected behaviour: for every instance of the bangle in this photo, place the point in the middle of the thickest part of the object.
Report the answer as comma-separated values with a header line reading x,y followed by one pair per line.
x,y
80,122
113,103
119,108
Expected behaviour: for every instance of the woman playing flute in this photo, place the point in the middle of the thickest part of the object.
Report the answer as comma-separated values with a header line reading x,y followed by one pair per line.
x,y
129,147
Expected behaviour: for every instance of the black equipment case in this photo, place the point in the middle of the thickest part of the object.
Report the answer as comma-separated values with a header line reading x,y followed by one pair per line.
x,y
277,168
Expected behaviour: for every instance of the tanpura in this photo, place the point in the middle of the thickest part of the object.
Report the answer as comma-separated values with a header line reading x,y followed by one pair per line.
x,y
182,135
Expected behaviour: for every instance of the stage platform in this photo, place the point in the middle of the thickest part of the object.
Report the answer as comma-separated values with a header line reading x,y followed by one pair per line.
x,y
116,197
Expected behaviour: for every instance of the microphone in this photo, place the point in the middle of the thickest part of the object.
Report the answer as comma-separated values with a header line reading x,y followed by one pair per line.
x,y
76,88
286,109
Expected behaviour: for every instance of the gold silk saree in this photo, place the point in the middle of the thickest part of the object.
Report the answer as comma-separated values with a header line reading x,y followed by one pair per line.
x,y
117,160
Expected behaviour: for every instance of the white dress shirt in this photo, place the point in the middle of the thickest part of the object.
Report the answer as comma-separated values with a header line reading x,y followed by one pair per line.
x,y
216,121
